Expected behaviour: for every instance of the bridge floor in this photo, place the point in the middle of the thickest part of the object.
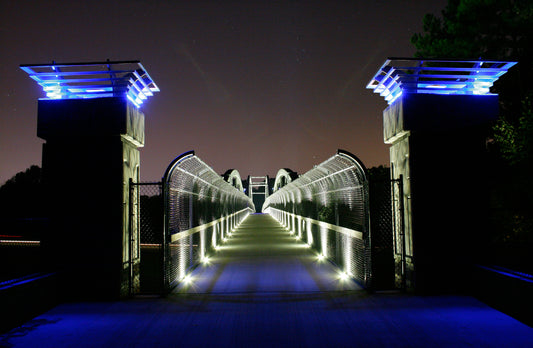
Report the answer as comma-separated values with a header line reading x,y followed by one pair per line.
x,y
262,258
265,289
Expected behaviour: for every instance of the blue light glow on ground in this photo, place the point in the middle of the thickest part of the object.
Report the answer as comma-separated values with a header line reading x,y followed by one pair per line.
x,y
263,290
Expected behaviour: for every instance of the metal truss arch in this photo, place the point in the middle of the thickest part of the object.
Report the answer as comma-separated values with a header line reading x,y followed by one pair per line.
x,y
283,177
233,177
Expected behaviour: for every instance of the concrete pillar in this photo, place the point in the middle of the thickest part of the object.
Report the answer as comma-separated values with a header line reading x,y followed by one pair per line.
x,y
90,155
439,151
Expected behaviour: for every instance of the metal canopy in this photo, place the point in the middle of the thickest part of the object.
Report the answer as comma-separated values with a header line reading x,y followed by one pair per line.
x,y
93,80
436,76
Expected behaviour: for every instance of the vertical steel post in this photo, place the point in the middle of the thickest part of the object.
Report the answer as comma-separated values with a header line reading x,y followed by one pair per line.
x,y
401,209
131,226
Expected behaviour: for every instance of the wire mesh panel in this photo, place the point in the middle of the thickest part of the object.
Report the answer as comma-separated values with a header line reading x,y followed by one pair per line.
x,y
200,209
146,212
333,198
381,225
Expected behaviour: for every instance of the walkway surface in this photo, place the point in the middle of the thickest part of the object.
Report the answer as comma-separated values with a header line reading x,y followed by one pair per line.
x,y
266,289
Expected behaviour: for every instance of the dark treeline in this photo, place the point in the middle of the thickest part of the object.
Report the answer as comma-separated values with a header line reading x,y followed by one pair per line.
x,y
22,195
22,202
497,30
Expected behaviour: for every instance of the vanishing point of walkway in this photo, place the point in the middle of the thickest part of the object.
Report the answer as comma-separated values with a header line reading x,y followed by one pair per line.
x,y
266,289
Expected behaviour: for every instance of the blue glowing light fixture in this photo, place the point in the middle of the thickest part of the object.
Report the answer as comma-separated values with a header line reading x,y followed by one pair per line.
x,y
436,76
93,80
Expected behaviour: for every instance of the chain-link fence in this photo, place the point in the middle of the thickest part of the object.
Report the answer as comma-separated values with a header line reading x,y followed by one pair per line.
x,y
328,207
381,226
200,209
147,215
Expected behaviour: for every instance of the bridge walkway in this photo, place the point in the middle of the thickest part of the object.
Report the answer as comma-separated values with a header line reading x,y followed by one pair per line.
x,y
266,289
263,258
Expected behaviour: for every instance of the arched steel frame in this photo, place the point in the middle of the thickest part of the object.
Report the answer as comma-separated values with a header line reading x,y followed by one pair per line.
x,y
328,208
232,177
283,177
201,209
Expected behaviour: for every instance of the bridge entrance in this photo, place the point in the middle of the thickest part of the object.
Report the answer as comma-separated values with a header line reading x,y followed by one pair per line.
x,y
187,218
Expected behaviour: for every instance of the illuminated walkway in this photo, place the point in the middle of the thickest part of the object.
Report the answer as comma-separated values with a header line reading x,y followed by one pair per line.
x,y
261,257
265,289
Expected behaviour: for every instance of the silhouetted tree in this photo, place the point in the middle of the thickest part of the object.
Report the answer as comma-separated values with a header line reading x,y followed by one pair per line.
x,y
22,203
491,29
22,195
496,30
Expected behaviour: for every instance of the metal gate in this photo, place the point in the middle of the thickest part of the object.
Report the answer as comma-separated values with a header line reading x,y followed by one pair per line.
x,y
146,221
381,229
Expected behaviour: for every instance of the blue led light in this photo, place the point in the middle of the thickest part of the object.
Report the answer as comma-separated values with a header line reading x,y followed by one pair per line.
x,y
93,80
431,76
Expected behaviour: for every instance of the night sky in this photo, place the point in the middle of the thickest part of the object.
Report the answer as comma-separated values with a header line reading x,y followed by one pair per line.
x,y
251,85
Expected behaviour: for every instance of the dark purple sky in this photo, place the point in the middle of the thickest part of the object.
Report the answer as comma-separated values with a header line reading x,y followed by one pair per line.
x,y
251,85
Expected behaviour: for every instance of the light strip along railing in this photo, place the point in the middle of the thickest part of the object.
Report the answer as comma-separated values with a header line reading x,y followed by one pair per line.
x,y
201,210
328,208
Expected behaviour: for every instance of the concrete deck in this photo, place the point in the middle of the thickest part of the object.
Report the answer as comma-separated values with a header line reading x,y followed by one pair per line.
x,y
265,289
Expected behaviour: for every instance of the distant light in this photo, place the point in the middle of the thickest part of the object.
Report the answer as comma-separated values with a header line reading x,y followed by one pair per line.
x,y
206,260
320,257
17,241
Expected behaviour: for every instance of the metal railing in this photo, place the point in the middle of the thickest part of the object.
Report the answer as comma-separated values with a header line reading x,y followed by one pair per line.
x,y
328,208
201,208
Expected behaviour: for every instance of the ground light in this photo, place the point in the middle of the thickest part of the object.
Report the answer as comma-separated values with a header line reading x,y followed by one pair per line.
x,y
188,279
343,276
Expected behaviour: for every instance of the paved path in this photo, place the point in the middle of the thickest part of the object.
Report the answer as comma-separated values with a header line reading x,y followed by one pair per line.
x,y
262,258
265,289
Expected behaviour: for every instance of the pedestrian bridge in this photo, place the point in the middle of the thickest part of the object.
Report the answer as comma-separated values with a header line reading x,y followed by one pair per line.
x,y
320,216
295,276
236,278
